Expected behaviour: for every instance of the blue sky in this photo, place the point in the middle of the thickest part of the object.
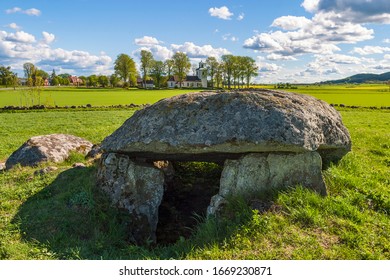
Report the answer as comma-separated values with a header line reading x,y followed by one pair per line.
x,y
291,40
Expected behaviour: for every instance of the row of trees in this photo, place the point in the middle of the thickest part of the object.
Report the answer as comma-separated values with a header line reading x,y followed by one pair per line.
x,y
159,71
230,71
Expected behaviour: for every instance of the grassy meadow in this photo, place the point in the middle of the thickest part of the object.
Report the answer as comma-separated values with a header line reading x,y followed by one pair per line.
x,y
365,95
61,215
69,96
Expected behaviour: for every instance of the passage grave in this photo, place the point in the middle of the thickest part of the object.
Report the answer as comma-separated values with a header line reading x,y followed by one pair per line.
x,y
265,139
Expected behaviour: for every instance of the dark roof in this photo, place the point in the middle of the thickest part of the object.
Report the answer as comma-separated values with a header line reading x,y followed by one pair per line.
x,y
187,79
192,79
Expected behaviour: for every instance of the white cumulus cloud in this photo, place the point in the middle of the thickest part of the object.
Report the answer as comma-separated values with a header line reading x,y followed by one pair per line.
x,y
30,12
20,47
13,25
48,38
300,36
147,41
291,22
267,67
20,37
274,56
194,51
368,50
159,52
222,13
13,10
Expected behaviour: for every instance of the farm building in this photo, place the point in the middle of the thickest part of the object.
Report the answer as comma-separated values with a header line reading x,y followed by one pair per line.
x,y
76,81
198,81
148,83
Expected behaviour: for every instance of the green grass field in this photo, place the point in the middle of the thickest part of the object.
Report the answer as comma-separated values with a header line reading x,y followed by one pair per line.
x,y
69,96
61,215
365,95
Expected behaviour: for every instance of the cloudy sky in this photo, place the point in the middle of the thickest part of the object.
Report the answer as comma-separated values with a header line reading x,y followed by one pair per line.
x,y
291,40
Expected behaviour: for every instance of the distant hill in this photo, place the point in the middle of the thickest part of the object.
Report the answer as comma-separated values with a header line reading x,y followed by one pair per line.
x,y
362,78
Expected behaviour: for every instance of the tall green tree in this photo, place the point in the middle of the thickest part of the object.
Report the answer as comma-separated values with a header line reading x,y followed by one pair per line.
x,y
53,78
157,72
228,65
212,65
5,75
55,81
29,69
237,61
181,66
146,64
103,81
83,79
125,68
218,75
92,80
41,73
14,80
169,64
250,69
114,80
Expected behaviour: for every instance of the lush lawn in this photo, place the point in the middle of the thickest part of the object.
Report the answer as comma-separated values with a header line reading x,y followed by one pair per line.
x,y
364,95
350,95
61,215
63,96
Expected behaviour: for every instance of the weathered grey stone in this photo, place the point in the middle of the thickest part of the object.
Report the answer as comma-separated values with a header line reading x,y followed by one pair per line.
x,y
135,187
209,126
254,173
53,148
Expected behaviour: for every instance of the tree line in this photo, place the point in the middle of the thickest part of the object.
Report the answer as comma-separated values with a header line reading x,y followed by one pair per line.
x,y
229,72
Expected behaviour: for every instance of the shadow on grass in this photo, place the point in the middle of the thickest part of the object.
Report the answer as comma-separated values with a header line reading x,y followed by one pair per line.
x,y
72,219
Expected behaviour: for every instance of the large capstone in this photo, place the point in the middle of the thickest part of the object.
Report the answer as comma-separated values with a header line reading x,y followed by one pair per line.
x,y
266,140
206,126
48,148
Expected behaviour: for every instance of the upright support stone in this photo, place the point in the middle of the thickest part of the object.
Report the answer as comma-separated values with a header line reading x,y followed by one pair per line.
x,y
135,187
253,173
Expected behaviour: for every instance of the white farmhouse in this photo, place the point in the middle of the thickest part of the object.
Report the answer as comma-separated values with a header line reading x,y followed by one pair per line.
x,y
198,81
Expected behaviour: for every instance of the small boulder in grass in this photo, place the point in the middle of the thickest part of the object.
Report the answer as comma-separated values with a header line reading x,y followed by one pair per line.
x,y
48,148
